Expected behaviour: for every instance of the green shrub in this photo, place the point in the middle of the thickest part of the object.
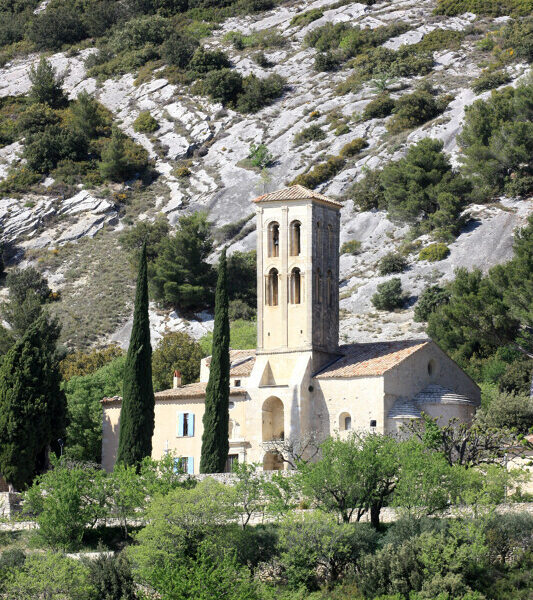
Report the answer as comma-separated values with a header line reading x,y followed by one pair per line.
x,y
326,61
265,38
178,49
379,108
36,118
112,578
415,109
429,300
121,158
53,27
205,61
182,172
392,263
389,295
439,39
46,88
257,92
353,148
19,180
259,156
44,149
10,112
489,80
223,86
485,7
320,173
351,247
175,350
303,19
145,123
434,252
368,192
517,38
140,31
313,133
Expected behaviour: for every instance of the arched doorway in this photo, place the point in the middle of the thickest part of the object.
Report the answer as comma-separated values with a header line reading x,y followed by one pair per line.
x,y
272,461
273,419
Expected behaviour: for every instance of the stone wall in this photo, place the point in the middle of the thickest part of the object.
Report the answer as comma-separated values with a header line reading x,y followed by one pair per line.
x,y
9,504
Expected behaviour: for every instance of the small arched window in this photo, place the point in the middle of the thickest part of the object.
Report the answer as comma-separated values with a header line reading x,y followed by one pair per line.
x,y
345,421
318,286
330,288
296,286
295,230
273,239
272,287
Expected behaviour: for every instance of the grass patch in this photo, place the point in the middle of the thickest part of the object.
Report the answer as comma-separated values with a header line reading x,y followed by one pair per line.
x,y
243,335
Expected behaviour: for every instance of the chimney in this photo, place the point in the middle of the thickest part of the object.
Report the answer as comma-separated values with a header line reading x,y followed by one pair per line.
x,y
177,380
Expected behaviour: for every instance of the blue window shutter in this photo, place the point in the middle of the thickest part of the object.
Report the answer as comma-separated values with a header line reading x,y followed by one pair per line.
x,y
180,423
190,465
190,423
176,465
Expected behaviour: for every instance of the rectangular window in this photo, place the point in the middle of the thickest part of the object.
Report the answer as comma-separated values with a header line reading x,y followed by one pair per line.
x,y
185,424
232,460
237,383
184,464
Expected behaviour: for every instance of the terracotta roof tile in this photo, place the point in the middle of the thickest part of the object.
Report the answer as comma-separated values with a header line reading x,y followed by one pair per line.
x,y
360,360
192,390
296,192
242,362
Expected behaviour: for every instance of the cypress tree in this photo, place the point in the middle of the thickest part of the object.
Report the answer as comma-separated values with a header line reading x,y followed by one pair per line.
x,y
32,404
137,414
215,445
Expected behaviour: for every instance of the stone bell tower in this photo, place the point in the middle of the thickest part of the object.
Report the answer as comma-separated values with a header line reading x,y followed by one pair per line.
x,y
298,273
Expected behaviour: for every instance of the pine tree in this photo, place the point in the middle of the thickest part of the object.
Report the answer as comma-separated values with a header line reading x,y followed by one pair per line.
x,y
32,404
46,87
137,415
114,162
215,443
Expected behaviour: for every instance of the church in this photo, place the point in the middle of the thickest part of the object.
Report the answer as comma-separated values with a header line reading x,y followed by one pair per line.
x,y
299,381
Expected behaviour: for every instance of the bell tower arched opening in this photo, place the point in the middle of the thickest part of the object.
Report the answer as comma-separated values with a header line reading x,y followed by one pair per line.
x,y
273,424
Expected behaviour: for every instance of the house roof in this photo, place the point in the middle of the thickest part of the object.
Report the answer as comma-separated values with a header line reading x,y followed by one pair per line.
x,y
296,192
241,362
192,390
375,358
431,394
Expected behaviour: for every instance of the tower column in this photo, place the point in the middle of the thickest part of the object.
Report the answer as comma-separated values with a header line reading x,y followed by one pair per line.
x,y
284,283
260,277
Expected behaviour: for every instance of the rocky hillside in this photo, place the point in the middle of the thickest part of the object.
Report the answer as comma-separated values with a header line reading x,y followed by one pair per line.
x,y
200,151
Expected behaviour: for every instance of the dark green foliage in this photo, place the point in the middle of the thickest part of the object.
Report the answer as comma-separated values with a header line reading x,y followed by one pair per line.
x,y
204,61
89,117
10,111
215,444
176,351
313,133
223,86
303,19
415,109
43,150
112,578
258,92
320,173
508,410
32,405
392,263
145,123
137,413
517,36
389,295
382,106
353,148
242,277
84,394
178,49
489,80
351,247
45,86
101,16
182,276
497,141
36,118
326,61
121,158
20,281
368,192
485,7
438,39
153,234
517,377
53,27
429,300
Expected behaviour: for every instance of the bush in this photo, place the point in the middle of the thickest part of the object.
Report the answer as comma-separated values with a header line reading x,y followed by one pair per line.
x,y
53,27
320,173
89,116
434,252
326,61
204,61
45,86
415,109
112,578
36,118
139,32
353,148
391,263
351,247
240,311
121,158
379,108
389,295
223,86
489,80
178,49
175,351
260,156
303,19
485,7
313,133
145,123
429,300
257,92
368,192
44,149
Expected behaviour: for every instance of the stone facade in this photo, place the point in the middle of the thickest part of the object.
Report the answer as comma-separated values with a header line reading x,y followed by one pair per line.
x,y
299,382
